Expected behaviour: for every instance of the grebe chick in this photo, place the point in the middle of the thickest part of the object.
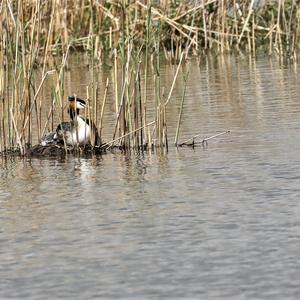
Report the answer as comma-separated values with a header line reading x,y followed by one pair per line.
x,y
48,139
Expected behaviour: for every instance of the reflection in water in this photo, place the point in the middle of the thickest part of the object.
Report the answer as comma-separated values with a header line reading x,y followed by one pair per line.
x,y
214,222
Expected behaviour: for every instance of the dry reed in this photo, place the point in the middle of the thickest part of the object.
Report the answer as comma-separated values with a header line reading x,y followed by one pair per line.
x,y
34,34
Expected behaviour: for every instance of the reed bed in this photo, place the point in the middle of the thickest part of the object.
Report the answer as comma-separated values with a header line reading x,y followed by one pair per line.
x,y
193,25
37,38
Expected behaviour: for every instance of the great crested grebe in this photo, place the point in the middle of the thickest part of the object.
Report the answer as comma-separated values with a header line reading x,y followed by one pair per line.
x,y
78,131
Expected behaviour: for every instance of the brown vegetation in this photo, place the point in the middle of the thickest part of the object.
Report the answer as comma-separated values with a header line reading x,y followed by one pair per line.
x,y
34,32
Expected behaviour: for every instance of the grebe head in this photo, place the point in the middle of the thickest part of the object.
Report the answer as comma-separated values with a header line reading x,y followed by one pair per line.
x,y
76,103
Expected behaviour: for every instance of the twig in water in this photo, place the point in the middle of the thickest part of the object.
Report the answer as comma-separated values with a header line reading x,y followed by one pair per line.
x,y
193,143
129,133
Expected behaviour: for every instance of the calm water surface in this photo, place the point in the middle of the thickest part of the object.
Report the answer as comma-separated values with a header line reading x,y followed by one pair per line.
x,y
221,222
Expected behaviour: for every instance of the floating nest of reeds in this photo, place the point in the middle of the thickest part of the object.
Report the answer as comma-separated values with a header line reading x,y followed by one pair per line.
x,y
54,150
60,150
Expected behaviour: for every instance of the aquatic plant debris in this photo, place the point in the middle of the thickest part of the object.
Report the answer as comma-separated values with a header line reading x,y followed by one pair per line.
x,y
192,141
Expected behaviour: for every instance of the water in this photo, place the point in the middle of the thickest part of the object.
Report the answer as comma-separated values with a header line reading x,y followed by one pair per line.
x,y
220,222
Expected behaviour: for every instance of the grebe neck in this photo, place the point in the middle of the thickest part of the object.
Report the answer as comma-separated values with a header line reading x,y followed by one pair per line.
x,y
72,113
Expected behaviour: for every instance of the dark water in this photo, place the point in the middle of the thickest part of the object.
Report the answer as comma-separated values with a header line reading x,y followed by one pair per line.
x,y
221,222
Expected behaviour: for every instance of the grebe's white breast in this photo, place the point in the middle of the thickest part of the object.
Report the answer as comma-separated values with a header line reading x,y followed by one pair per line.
x,y
81,132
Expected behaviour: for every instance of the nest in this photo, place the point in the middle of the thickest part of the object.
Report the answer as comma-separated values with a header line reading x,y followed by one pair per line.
x,y
56,150
46,151
59,150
